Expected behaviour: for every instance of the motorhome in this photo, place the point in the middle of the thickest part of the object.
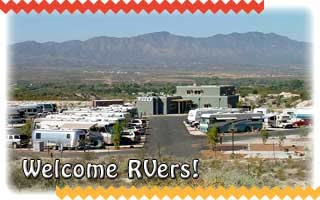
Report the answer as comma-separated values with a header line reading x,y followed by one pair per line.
x,y
194,116
59,138
263,111
241,122
279,121
48,107
30,110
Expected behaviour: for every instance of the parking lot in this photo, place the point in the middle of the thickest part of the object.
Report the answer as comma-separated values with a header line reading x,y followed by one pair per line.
x,y
166,136
169,136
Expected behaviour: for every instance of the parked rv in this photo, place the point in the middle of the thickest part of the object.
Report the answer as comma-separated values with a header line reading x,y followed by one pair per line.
x,y
194,116
30,110
243,122
58,138
48,107
263,111
93,139
279,121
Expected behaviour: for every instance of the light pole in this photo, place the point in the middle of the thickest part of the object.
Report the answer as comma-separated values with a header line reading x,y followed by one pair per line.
x,y
219,102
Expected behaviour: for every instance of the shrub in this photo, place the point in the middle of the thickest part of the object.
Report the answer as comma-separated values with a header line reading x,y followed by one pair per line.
x,y
264,135
213,138
116,136
27,128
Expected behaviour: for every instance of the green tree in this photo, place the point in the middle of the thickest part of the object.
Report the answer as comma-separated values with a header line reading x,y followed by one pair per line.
x,y
27,128
240,104
116,135
213,139
264,135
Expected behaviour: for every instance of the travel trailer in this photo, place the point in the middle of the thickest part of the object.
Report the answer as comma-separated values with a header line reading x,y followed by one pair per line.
x,y
241,122
59,138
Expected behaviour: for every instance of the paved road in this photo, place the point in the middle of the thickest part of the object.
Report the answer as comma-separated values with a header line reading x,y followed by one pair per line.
x,y
169,134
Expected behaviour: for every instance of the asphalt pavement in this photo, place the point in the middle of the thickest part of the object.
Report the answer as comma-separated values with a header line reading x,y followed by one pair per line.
x,y
168,136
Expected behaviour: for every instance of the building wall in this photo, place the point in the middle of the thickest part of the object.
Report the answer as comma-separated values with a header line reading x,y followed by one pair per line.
x,y
169,106
194,90
145,105
210,96
210,90
157,105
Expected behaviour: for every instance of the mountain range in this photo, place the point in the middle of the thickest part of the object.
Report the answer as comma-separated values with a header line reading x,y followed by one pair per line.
x,y
163,49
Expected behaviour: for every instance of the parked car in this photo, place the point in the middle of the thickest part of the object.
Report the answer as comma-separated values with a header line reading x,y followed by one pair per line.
x,y
302,122
141,122
16,120
17,140
130,136
137,128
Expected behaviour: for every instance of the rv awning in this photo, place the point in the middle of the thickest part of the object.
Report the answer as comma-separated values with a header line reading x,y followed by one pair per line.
x,y
78,125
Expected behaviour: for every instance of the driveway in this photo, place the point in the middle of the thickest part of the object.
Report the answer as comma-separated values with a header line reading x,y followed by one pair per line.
x,y
168,136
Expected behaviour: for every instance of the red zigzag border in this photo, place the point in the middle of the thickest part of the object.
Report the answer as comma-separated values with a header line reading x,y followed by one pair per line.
x,y
132,6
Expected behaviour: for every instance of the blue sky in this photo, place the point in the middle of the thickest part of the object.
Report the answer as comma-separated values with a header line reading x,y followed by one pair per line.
x,y
56,27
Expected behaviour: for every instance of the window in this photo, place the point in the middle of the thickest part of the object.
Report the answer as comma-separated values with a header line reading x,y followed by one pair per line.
x,y
102,130
68,136
47,106
38,135
94,129
10,137
16,137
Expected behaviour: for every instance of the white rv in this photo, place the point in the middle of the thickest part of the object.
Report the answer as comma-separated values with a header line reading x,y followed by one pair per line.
x,y
194,116
58,138
279,121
